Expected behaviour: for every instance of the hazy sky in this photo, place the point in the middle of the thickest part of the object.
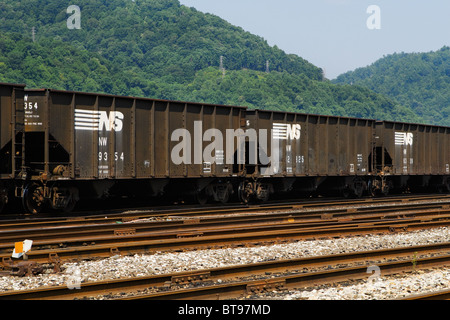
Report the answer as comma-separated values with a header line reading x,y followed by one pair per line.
x,y
334,34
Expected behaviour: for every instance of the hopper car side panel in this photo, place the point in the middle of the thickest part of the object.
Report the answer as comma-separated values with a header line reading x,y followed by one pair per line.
x,y
11,129
312,152
414,156
12,111
59,146
100,145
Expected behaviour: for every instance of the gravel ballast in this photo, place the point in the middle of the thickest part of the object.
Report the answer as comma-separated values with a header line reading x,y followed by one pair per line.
x,y
118,267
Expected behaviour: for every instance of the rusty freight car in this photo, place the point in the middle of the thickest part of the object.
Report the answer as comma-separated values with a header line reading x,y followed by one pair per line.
x,y
11,138
309,154
412,157
97,145
60,146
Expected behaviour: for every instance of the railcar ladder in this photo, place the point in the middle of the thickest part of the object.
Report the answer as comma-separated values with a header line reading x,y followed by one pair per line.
x,y
18,138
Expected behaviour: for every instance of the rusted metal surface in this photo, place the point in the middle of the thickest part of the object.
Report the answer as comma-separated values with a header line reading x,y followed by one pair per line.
x,y
306,272
236,290
71,145
191,277
316,153
438,295
342,149
20,268
12,147
99,231
412,156
11,129
150,242
414,149
84,145
11,229
114,137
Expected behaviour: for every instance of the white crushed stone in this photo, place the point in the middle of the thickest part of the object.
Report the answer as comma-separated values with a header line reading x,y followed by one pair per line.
x,y
144,265
383,288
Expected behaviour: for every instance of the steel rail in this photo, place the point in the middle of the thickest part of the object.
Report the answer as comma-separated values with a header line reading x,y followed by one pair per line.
x,y
232,237
46,236
272,271
437,295
240,289
361,205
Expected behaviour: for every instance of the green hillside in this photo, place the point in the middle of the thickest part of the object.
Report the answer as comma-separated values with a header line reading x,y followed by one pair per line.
x,y
419,81
161,49
155,38
290,92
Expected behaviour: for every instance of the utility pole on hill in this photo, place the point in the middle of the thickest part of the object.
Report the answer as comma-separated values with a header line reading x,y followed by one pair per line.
x,y
221,67
33,34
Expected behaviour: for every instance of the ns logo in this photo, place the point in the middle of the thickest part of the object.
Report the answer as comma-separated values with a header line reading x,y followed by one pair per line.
x,y
404,138
285,131
91,120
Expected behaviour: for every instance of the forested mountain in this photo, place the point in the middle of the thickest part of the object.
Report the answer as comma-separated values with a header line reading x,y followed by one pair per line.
x,y
161,49
291,92
420,81
156,38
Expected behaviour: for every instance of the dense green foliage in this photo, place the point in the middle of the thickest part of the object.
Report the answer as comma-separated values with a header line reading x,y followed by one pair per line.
x,y
290,92
160,49
420,81
154,38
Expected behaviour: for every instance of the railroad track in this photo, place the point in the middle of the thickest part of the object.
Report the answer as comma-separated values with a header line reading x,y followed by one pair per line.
x,y
76,231
13,230
81,241
439,295
189,211
242,280
57,240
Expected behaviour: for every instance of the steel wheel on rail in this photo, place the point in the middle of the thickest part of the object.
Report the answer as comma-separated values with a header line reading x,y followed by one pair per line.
x,y
202,197
445,187
33,199
244,191
358,187
3,198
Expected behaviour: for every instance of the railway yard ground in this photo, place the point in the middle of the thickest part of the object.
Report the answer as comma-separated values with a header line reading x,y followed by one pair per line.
x,y
395,248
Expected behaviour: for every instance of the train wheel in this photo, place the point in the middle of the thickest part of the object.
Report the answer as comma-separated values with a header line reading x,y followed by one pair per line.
x,y
346,192
386,189
378,187
64,199
3,199
445,188
359,192
70,205
358,187
372,190
244,192
202,197
224,196
33,198
262,193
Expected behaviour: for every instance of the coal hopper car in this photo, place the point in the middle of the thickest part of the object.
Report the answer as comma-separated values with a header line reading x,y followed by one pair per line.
x,y
11,139
85,145
411,157
307,154
57,147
